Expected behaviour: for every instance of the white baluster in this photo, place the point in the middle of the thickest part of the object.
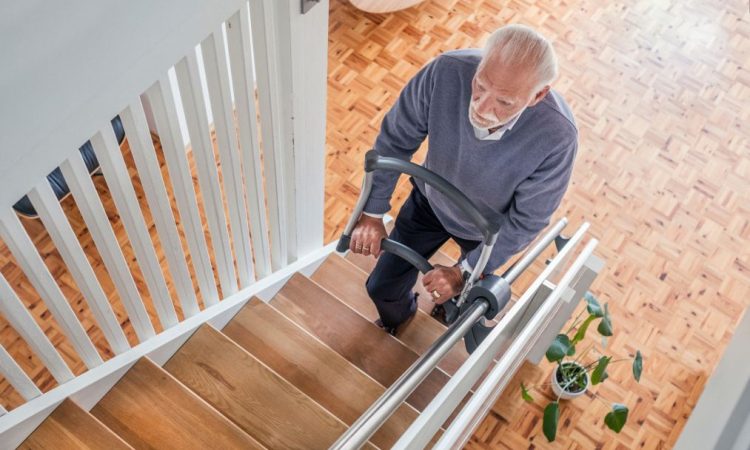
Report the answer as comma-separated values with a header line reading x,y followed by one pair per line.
x,y
243,82
91,208
217,79
19,243
188,79
121,188
17,377
50,212
20,319
165,116
271,114
142,148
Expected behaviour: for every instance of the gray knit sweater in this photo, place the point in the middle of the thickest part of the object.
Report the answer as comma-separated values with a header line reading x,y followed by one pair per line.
x,y
519,179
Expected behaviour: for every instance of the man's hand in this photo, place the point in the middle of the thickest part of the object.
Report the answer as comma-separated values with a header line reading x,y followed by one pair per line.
x,y
443,283
367,235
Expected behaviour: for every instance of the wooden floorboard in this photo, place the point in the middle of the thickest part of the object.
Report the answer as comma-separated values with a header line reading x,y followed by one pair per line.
x,y
660,91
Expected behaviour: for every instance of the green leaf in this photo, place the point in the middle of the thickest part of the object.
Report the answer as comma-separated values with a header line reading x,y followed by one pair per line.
x,y
581,333
616,418
549,424
605,326
592,305
599,373
637,366
559,348
525,394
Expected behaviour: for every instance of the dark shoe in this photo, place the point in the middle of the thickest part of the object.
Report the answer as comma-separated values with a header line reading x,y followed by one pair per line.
x,y
389,330
393,330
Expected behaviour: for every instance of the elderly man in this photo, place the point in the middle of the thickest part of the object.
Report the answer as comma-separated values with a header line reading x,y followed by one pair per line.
x,y
499,134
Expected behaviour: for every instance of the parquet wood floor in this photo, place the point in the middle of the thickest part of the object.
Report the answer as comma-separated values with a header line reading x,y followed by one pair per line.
x,y
661,93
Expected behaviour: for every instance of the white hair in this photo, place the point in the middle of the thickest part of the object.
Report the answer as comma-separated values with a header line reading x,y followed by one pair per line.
x,y
519,44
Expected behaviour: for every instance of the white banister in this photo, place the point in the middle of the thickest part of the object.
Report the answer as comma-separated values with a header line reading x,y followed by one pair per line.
x,y
165,116
19,317
21,246
263,216
91,208
188,79
501,339
149,172
16,376
217,79
121,188
92,385
243,83
495,382
48,207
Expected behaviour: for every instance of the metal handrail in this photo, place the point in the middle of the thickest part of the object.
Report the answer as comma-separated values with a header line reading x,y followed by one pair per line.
x,y
372,419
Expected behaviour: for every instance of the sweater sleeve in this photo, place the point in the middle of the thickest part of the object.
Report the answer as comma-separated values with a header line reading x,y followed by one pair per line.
x,y
403,130
534,201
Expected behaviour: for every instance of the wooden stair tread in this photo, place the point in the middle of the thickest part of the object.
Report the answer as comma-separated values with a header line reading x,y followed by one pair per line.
x,y
72,427
242,388
367,263
314,368
149,408
418,335
357,339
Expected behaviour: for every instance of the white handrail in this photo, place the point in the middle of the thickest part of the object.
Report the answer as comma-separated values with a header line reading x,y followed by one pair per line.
x,y
472,414
435,414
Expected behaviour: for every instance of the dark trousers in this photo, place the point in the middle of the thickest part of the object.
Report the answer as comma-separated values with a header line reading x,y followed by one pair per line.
x,y
390,283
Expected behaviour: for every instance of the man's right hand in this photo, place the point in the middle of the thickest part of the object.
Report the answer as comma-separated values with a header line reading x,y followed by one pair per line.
x,y
367,235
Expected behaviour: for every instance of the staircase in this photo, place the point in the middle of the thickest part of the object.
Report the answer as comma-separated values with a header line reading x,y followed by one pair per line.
x,y
267,339
291,373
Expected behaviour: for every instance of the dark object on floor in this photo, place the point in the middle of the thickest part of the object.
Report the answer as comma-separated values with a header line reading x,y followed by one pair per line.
x,y
24,207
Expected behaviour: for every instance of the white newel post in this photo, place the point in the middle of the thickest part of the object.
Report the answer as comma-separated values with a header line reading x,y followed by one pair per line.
x,y
310,75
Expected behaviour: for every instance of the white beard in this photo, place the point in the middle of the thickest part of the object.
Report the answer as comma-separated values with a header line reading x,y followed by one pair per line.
x,y
488,123
483,123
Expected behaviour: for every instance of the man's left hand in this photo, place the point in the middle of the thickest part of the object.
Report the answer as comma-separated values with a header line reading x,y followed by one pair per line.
x,y
443,283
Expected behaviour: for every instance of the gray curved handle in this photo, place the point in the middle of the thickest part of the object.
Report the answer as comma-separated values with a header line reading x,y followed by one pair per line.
x,y
397,248
487,227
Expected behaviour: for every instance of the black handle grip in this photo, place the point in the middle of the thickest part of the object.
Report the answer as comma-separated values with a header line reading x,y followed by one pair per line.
x,y
488,228
406,253
394,247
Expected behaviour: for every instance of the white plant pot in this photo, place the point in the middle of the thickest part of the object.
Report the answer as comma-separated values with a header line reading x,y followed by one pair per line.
x,y
564,394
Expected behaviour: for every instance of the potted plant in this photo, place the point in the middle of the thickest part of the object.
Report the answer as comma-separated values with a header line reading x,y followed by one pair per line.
x,y
572,376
